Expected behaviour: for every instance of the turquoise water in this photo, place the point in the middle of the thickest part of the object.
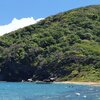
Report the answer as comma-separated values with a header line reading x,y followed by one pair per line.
x,y
32,91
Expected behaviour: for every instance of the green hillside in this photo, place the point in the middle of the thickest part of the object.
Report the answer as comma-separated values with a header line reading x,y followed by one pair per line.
x,y
65,46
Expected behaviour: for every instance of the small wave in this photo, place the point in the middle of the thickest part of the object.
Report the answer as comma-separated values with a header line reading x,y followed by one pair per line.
x,y
84,96
78,94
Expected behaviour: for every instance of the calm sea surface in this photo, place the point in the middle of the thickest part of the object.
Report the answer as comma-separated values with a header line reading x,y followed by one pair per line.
x,y
32,91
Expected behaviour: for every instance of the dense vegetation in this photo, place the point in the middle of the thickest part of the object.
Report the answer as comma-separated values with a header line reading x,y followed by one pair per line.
x,y
65,46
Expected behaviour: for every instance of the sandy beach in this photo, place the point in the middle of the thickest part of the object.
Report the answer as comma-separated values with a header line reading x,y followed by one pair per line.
x,y
81,83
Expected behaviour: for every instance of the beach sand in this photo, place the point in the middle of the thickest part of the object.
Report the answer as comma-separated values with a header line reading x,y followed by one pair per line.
x,y
81,83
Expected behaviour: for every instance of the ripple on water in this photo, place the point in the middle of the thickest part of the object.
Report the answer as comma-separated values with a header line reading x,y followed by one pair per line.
x,y
31,91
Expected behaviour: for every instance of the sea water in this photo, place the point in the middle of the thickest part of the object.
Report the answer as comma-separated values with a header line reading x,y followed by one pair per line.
x,y
33,91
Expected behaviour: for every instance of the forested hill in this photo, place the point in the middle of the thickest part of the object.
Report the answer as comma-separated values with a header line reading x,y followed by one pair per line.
x,y
65,46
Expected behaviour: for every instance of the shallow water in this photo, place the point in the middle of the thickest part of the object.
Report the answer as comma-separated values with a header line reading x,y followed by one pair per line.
x,y
32,91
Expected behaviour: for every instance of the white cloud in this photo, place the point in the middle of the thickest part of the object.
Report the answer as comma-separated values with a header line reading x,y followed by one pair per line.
x,y
16,24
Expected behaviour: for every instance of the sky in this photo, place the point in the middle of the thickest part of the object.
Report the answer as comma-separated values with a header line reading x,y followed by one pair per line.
x,y
14,11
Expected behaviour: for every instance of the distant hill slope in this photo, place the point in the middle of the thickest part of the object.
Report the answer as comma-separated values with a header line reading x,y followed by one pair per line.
x,y
65,46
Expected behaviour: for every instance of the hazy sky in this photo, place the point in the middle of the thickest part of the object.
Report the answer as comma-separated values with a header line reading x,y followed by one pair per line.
x,y
10,9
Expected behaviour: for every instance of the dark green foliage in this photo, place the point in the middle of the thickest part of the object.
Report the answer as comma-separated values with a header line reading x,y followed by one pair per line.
x,y
65,46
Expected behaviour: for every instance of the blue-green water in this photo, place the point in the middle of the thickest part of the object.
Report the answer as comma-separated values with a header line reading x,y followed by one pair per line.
x,y
32,91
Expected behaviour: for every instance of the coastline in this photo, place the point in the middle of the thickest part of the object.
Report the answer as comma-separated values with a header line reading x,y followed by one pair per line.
x,y
64,82
81,83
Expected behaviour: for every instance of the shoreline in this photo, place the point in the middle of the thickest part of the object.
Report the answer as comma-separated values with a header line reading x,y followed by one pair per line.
x,y
63,82
80,83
